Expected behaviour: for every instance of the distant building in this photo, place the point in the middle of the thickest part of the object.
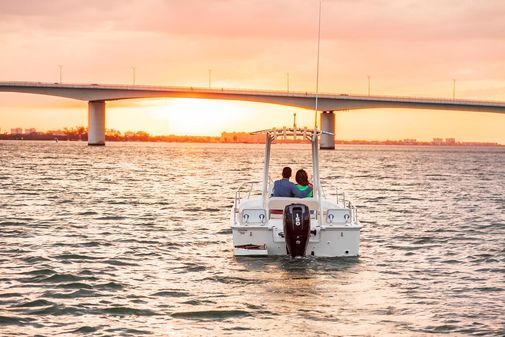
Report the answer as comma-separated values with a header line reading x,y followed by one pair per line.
x,y
30,131
438,141
409,141
16,131
450,141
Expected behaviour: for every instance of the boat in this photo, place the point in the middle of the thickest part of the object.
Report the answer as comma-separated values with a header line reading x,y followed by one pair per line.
x,y
321,226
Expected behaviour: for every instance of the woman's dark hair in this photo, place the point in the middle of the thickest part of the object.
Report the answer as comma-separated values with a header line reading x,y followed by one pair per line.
x,y
302,178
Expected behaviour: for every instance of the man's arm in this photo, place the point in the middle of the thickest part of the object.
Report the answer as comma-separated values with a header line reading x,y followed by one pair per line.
x,y
296,192
307,192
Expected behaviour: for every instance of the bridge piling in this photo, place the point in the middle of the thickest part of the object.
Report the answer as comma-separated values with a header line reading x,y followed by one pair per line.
x,y
96,123
328,125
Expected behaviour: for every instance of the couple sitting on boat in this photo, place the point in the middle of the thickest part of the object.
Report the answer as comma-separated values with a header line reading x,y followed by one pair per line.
x,y
285,188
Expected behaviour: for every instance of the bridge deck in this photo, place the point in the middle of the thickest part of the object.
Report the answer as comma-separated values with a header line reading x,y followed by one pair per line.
x,y
306,100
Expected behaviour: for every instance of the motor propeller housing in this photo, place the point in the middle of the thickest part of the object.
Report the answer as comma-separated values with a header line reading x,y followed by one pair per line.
x,y
296,223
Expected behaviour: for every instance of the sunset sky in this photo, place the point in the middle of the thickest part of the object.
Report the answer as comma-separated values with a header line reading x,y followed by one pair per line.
x,y
409,48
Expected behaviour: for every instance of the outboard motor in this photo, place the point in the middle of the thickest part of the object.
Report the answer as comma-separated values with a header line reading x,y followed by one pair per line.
x,y
296,228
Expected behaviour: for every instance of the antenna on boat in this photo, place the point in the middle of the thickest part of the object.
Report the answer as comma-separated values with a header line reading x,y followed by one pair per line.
x,y
317,70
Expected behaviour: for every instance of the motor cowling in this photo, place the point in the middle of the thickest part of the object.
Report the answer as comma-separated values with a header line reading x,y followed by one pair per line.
x,y
296,223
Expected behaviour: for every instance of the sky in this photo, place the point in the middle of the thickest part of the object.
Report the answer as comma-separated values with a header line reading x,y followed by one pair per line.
x,y
406,47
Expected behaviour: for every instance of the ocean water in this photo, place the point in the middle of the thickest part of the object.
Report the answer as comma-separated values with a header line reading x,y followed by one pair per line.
x,y
134,239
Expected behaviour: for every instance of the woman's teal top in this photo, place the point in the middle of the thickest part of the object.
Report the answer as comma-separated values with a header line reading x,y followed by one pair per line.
x,y
307,189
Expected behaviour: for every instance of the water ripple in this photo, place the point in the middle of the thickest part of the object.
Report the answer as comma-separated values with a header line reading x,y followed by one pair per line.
x,y
134,239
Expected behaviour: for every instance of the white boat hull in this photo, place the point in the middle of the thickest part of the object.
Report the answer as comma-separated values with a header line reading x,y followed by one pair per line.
x,y
259,238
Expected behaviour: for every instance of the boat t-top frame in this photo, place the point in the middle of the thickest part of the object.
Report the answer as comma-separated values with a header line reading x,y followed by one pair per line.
x,y
311,135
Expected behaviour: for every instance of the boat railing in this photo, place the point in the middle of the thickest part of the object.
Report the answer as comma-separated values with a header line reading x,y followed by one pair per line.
x,y
238,195
346,203
241,189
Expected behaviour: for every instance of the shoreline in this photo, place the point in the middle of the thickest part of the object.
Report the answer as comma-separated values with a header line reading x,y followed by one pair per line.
x,y
216,140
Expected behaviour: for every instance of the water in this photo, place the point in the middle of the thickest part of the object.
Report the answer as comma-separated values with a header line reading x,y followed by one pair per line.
x,y
134,239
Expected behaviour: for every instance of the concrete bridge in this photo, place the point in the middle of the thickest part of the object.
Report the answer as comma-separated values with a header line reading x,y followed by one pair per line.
x,y
98,94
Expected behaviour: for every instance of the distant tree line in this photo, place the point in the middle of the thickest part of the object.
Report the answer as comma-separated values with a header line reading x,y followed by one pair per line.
x,y
81,133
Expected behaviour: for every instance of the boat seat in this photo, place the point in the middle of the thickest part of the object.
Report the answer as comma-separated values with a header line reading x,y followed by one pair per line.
x,y
276,205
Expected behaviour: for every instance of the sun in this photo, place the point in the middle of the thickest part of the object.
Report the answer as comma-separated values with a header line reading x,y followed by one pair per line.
x,y
203,117
189,116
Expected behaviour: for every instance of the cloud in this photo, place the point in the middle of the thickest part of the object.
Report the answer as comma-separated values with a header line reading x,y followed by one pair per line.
x,y
265,19
252,43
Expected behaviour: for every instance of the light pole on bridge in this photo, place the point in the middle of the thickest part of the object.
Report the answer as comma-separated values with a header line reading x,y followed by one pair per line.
x,y
61,72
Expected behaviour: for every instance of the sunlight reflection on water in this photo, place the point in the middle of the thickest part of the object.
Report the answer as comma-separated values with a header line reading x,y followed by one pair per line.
x,y
133,239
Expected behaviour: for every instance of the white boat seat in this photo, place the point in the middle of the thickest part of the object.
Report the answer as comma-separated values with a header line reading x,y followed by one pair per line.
x,y
338,216
276,205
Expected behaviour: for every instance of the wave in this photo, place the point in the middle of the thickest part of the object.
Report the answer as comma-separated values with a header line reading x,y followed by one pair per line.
x,y
211,314
117,262
75,257
40,272
75,294
36,303
13,320
109,286
57,310
111,217
75,285
61,278
85,329
126,311
171,293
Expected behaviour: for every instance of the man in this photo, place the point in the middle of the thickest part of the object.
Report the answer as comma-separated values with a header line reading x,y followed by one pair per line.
x,y
285,188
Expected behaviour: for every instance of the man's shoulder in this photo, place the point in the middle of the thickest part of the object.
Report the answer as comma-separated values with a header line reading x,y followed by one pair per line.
x,y
283,182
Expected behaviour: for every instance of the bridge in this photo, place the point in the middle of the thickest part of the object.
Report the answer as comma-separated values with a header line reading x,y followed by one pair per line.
x,y
98,94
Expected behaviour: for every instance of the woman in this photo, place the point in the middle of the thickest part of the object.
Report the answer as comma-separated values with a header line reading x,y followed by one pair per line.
x,y
302,183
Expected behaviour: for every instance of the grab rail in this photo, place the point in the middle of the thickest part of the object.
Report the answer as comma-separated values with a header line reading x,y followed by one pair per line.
x,y
238,197
347,203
